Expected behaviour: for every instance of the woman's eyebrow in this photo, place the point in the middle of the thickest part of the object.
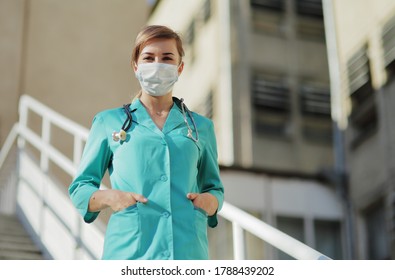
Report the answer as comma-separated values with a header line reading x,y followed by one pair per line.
x,y
150,53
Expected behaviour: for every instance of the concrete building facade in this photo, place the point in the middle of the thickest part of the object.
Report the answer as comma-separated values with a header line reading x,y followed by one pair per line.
x,y
259,70
365,32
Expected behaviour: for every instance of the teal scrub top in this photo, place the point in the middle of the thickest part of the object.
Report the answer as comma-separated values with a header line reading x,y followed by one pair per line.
x,y
163,165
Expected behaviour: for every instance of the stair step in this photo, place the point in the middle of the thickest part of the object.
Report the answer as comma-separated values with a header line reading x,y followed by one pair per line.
x,y
15,242
17,255
20,239
28,247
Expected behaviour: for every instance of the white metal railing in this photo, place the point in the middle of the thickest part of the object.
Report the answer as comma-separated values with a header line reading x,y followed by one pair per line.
x,y
80,234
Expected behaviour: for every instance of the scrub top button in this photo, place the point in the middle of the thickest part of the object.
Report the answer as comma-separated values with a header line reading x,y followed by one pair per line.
x,y
166,254
166,214
163,178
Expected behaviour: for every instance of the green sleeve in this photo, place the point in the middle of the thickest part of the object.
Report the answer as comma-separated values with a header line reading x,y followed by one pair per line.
x,y
94,163
209,175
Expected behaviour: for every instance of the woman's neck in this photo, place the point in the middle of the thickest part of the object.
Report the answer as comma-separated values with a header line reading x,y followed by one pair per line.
x,y
158,105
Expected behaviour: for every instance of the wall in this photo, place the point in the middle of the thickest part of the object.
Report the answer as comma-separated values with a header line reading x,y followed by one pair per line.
x,y
11,34
72,55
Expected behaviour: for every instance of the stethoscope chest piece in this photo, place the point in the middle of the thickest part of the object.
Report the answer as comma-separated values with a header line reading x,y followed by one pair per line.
x,y
121,135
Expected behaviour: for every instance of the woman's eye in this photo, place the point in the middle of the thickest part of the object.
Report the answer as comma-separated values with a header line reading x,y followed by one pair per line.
x,y
167,58
147,58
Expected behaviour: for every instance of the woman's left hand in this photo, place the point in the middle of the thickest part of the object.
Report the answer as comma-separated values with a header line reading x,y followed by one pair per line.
x,y
205,201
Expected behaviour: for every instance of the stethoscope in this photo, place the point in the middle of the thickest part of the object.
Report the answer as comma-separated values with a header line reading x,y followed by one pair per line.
x,y
121,135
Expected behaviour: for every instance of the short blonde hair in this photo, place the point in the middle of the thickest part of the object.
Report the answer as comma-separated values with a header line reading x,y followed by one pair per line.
x,y
155,32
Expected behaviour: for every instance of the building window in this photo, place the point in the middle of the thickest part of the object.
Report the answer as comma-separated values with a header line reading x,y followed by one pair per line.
x,y
206,11
376,229
363,118
268,16
189,39
315,100
315,108
309,8
310,20
328,238
190,34
271,103
293,227
200,18
388,38
268,5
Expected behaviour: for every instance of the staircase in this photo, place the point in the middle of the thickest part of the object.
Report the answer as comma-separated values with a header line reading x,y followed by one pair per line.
x,y
15,242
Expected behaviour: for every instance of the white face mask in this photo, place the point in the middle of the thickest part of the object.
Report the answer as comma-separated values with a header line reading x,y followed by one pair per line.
x,y
157,79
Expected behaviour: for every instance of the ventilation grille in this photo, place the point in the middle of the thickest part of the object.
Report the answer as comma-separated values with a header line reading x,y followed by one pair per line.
x,y
315,100
358,70
270,93
389,42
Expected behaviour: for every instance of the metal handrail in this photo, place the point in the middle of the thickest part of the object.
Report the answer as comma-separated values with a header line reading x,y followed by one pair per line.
x,y
241,220
7,146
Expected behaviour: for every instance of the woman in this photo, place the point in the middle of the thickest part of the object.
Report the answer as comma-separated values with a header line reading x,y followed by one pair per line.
x,y
165,183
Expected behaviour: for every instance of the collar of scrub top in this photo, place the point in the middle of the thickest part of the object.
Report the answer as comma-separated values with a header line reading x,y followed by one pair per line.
x,y
177,115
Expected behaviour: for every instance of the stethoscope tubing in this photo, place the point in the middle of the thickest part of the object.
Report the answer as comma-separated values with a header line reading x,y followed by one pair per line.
x,y
121,135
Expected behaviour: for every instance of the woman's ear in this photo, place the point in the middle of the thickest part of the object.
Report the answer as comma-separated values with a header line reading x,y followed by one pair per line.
x,y
180,68
134,66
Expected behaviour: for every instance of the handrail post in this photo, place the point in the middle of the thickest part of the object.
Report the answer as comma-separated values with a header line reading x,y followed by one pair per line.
x,y
77,153
23,115
238,242
77,150
44,166
45,135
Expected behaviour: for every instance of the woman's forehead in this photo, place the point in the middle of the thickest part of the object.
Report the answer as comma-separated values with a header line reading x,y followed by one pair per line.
x,y
160,45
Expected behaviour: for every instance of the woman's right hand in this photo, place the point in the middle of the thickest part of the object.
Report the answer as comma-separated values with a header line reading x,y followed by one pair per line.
x,y
120,200
115,199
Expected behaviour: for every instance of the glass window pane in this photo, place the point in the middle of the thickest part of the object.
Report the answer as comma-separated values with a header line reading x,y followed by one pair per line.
x,y
378,248
293,227
328,238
